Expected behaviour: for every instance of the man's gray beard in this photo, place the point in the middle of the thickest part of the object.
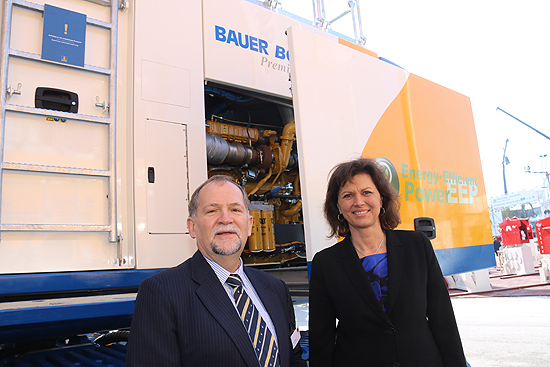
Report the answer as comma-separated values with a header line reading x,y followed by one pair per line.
x,y
220,251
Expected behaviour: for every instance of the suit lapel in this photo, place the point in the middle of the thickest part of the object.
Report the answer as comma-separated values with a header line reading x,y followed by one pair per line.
x,y
395,267
273,306
357,277
216,301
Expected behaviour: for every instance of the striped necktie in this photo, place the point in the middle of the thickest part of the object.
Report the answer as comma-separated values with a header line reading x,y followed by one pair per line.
x,y
260,336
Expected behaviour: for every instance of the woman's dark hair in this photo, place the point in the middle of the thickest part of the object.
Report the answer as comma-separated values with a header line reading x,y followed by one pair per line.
x,y
343,173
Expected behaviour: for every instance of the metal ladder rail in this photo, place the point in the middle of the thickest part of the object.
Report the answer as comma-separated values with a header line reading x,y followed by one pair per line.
x,y
111,173
113,234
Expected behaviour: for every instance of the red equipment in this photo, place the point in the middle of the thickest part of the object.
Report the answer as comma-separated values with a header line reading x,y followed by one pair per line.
x,y
543,235
515,231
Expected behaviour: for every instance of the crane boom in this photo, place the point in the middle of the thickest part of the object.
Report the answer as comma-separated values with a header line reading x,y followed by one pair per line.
x,y
531,127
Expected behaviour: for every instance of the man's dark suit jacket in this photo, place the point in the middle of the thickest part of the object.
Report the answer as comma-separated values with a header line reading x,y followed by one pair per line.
x,y
183,317
419,327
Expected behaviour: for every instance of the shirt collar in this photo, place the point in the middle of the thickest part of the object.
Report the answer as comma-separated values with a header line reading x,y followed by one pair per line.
x,y
221,272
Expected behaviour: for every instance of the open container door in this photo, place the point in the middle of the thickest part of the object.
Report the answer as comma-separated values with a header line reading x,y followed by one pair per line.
x,y
348,103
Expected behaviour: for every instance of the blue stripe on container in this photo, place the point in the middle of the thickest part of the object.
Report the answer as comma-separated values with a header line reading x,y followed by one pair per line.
x,y
459,259
71,281
464,259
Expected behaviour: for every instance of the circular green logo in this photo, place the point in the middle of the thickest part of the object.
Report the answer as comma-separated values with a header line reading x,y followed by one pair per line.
x,y
390,171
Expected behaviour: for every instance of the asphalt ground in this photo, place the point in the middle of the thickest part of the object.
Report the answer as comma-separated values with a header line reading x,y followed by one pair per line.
x,y
507,326
505,330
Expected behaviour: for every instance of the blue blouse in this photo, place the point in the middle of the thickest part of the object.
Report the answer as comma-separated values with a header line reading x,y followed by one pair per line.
x,y
376,267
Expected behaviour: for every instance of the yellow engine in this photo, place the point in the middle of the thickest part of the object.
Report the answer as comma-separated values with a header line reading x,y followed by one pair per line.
x,y
264,162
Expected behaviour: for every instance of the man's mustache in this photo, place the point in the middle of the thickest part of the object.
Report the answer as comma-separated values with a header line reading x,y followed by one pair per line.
x,y
226,228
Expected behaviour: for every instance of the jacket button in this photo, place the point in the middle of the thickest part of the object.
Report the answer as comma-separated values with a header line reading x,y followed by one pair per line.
x,y
396,364
392,332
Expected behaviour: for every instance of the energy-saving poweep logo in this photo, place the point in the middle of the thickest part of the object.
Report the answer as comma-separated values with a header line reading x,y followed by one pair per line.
x,y
390,171
431,186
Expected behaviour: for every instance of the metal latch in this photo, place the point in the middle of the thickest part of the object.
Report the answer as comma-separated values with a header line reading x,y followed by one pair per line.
x,y
17,91
426,225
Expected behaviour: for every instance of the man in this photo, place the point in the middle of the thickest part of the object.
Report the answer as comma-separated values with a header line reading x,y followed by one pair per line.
x,y
210,310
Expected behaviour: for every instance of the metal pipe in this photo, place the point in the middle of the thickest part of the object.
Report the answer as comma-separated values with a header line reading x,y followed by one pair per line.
x,y
293,210
504,163
319,13
360,38
260,184
219,150
288,137
339,16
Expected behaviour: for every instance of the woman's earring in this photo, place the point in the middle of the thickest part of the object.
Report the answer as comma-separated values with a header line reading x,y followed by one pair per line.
x,y
340,217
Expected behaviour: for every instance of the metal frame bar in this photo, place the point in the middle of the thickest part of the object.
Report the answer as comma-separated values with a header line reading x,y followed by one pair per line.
x,y
113,236
55,227
319,13
6,33
35,57
59,114
340,16
40,8
322,23
358,24
100,2
54,169
13,284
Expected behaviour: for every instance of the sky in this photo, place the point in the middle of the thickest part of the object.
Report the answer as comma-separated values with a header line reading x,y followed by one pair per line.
x,y
495,52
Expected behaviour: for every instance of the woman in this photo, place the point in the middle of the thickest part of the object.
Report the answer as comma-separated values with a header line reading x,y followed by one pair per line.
x,y
378,297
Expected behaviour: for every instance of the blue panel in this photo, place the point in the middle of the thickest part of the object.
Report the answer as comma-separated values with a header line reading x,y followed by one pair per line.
x,y
459,260
64,36
62,320
464,259
35,322
87,355
75,281
65,312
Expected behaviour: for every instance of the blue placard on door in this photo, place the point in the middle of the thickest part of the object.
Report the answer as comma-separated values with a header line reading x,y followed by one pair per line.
x,y
64,37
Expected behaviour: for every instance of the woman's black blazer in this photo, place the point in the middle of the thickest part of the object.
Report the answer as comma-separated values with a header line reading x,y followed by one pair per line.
x,y
419,327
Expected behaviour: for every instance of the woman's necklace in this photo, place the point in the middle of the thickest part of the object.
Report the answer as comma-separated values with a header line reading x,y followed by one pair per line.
x,y
378,249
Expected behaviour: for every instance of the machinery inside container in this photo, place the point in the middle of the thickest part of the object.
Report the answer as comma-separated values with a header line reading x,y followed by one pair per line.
x,y
252,139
